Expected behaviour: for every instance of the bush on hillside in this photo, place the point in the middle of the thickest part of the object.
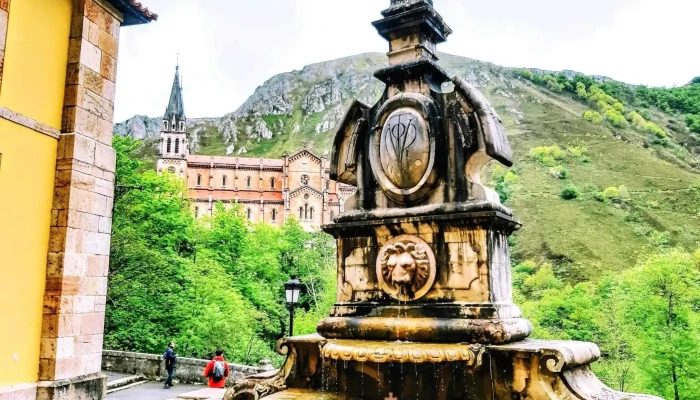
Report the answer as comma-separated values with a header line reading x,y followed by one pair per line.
x,y
548,156
615,118
693,122
526,73
570,192
581,90
552,83
593,116
611,195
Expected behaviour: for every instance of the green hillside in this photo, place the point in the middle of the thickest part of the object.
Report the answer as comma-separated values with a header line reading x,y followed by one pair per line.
x,y
629,169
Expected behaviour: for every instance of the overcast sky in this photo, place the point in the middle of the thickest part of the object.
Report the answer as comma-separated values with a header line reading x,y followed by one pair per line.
x,y
229,47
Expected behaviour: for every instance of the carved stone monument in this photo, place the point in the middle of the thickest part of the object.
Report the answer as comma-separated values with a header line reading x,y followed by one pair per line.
x,y
424,308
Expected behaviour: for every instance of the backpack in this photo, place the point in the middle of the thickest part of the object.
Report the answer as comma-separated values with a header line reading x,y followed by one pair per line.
x,y
219,371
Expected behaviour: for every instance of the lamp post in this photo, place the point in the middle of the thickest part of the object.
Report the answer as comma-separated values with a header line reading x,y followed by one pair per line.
x,y
291,291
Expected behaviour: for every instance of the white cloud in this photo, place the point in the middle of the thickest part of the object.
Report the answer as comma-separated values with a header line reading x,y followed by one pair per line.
x,y
228,47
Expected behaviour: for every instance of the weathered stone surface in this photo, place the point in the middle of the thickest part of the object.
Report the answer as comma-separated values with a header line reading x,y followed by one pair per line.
x,y
424,285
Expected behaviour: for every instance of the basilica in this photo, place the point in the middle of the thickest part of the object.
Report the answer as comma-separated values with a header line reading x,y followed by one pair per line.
x,y
269,190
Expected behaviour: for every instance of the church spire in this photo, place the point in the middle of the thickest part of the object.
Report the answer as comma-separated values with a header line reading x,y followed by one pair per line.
x,y
175,113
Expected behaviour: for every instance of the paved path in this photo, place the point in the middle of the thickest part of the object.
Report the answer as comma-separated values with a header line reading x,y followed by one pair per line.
x,y
152,391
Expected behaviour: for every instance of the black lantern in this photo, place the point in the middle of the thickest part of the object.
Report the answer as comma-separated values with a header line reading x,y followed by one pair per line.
x,y
291,292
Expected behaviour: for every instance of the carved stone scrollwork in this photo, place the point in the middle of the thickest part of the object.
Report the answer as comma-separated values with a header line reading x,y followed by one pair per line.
x,y
406,268
403,352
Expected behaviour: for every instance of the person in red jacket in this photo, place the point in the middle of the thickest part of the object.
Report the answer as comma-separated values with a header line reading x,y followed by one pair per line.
x,y
217,371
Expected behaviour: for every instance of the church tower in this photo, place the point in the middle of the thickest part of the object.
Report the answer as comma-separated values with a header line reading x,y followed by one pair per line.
x,y
174,144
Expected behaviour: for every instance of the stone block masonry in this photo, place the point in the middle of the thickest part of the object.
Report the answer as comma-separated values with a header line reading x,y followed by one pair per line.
x,y
78,258
189,370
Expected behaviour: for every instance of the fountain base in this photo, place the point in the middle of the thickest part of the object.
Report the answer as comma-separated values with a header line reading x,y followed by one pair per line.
x,y
319,368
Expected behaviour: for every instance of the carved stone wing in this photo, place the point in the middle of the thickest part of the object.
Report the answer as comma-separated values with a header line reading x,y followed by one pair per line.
x,y
350,134
495,141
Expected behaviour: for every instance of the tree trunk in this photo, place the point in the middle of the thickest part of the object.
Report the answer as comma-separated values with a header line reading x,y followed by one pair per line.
x,y
675,382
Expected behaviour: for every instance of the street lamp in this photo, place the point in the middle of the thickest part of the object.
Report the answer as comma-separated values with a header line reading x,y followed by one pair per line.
x,y
291,291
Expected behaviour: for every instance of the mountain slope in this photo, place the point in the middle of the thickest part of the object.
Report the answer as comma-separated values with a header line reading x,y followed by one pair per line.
x,y
655,181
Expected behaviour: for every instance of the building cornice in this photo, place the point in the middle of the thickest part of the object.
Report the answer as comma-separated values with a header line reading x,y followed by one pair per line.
x,y
30,123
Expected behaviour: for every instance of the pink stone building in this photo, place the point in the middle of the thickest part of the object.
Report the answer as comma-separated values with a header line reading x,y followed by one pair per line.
x,y
269,190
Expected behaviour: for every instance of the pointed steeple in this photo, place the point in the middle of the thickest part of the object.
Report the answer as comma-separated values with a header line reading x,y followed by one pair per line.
x,y
175,113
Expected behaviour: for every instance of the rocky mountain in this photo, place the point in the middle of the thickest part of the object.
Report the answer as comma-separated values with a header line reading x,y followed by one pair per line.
x,y
632,189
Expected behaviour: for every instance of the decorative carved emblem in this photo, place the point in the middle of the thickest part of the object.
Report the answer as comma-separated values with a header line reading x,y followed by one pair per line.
x,y
406,268
305,180
405,148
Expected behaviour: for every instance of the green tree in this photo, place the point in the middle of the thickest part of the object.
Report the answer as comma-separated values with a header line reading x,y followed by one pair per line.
x,y
659,301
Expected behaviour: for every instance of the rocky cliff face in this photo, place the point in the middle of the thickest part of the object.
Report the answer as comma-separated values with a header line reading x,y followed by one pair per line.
x,y
299,107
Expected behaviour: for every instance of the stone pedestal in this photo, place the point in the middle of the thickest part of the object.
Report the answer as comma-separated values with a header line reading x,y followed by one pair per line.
x,y
424,308
376,370
460,291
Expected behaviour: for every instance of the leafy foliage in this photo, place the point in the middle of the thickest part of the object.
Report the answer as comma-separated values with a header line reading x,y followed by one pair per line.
x,y
214,283
570,192
646,321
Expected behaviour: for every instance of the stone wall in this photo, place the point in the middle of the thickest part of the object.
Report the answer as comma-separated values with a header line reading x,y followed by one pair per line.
x,y
152,366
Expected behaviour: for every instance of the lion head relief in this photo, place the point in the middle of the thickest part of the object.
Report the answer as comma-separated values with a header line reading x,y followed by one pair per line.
x,y
406,267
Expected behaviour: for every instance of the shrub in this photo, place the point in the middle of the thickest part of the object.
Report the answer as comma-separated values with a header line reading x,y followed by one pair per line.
x,y
577,151
651,127
570,192
548,156
615,118
559,172
592,116
581,90
659,239
636,120
526,73
693,122
511,178
554,86
611,195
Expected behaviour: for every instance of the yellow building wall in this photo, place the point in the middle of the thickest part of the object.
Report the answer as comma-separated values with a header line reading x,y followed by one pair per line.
x,y
36,55
33,85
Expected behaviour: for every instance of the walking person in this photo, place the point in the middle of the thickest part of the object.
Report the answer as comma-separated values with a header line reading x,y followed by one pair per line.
x,y
170,359
217,371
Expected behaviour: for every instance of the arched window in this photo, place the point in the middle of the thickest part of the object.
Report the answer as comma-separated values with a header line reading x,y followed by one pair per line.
x,y
196,212
199,180
171,170
168,145
165,125
182,126
306,211
274,215
311,213
177,146
249,182
301,213
332,215
250,213
328,184
223,181
272,183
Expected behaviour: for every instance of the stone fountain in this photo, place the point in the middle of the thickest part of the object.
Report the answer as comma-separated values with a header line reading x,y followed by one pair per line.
x,y
424,308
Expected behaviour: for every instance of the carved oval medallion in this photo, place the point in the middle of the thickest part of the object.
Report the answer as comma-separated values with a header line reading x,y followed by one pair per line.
x,y
404,150
406,268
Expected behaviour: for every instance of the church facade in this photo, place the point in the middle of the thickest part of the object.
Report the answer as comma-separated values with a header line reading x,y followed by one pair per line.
x,y
268,190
